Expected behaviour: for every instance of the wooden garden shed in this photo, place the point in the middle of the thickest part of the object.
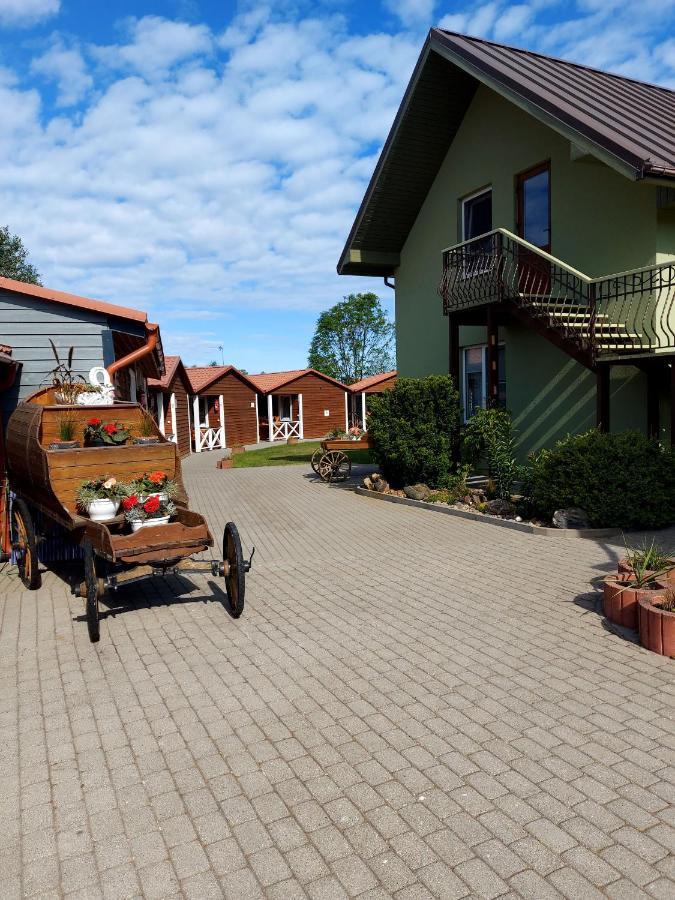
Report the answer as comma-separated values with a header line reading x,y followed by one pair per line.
x,y
360,391
170,404
224,407
302,403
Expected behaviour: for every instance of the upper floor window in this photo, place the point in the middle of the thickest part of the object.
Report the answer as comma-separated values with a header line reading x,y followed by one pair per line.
x,y
477,214
533,195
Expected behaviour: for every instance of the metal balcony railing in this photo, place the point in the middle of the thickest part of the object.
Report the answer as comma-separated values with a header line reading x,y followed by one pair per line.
x,y
627,314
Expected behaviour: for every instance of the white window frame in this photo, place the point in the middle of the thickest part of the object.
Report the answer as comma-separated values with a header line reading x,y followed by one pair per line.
x,y
484,368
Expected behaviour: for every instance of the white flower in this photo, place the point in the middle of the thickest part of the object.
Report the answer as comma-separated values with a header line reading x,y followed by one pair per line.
x,y
110,483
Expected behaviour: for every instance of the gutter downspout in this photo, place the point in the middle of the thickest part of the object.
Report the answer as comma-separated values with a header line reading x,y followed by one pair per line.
x,y
389,283
135,355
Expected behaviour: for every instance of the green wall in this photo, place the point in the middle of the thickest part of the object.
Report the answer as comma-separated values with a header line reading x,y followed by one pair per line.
x,y
601,222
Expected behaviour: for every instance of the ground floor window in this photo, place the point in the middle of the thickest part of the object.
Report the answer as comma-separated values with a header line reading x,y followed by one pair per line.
x,y
474,379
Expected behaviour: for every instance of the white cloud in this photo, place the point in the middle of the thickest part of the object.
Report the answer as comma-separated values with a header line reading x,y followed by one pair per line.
x,y
65,66
27,12
412,12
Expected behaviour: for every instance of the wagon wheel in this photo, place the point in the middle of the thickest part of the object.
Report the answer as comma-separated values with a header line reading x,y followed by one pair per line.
x,y
235,570
335,466
316,459
25,545
94,589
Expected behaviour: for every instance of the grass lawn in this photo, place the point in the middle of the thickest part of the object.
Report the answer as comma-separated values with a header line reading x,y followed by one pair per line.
x,y
288,455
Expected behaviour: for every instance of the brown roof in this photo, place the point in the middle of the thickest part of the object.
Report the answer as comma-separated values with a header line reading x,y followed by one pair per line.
x,y
371,381
108,309
171,363
629,125
200,377
272,381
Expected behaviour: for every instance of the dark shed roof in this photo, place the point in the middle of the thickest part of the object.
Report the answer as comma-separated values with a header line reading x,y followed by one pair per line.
x,y
628,124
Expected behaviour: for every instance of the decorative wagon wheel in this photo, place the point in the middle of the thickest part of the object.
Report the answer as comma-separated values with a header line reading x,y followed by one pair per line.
x,y
335,466
24,545
94,591
316,459
235,569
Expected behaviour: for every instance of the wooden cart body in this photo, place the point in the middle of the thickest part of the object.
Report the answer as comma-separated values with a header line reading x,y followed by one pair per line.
x,y
48,480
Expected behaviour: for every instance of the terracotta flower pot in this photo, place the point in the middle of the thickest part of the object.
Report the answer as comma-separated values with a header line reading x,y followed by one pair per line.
x,y
225,464
657,627
620,602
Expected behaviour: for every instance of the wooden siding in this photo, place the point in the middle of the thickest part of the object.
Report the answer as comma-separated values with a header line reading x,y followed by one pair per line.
x,y
240,416
317,396
381,386
181,427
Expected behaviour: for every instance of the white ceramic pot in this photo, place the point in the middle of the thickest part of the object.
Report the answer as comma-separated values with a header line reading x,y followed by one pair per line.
x,y
163,498
103,510
150,523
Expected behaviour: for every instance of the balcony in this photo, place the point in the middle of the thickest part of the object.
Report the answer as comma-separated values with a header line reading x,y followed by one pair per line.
x,y
629,314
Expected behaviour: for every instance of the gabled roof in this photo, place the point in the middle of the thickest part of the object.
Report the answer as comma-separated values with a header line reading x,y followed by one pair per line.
x,y
200,377
371,381
171,363
100,306
272,381
628,124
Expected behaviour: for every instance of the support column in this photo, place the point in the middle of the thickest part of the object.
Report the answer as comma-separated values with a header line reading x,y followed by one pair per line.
x,y
653,412
672,402
270,426
197,420
174,420
453,349
301,417
257,421
346,411
160,413
221,409
363,410
189,418
492,358
602,396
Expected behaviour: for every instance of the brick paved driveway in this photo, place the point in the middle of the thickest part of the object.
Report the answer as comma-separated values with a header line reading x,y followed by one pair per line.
x,y
412,706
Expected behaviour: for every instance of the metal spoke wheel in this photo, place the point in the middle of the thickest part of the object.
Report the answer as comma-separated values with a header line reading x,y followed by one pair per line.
x,y
25,545
316,459
235,569
335,466
94,591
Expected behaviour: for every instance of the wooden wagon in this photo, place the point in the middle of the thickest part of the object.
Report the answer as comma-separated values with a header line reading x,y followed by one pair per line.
x,y
331,460
46,480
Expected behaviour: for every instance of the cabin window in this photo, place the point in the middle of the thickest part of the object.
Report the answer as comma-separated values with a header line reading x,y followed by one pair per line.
x,y
477,214
285,408
533,196
474,378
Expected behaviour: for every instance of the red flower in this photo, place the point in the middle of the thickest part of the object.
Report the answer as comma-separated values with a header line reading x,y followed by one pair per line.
x,y
110,428
94,423
151,505
130,501
157,477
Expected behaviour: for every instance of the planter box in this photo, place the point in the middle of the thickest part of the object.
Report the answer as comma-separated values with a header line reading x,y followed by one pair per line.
x,y
225,464
657,627
620,602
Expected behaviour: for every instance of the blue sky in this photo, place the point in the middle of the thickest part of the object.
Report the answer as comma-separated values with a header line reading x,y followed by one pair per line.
x,y
204,160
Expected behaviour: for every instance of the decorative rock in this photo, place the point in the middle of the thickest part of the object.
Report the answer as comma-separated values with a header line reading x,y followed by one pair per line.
x,y
570,518
417,491
499,507
368,484
381,486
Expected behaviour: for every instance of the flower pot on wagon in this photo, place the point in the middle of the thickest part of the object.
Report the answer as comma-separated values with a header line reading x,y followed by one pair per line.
x,y
149,523
102,510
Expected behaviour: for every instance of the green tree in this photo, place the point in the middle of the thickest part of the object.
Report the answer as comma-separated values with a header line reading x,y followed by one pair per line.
x,y
14,258
353,339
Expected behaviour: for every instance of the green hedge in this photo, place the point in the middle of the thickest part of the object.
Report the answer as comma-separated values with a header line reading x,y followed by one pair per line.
x,y
622,480
413,428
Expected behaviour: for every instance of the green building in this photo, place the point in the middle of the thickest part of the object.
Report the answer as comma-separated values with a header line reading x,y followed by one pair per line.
x,y
512,189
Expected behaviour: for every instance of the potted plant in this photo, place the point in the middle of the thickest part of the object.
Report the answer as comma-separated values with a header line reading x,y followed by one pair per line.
x,y
656,615
154,484
622,592
100,498
147,513
355,433
98,433
147,430
648,557
67,429
66,384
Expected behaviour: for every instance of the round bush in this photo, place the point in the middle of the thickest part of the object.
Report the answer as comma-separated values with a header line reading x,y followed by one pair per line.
x,y
622,480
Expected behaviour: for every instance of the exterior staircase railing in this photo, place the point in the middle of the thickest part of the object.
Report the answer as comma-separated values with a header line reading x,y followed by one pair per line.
x,y
626,314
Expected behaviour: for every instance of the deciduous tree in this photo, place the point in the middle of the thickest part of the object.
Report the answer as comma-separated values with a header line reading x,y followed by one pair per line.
x,y
14,258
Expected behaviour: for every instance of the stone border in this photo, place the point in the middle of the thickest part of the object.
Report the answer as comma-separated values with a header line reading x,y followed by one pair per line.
x,y
591,534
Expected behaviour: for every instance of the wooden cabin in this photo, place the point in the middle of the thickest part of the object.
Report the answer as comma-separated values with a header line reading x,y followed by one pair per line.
x,y
360,391
224,408
102,334
302,403
169,402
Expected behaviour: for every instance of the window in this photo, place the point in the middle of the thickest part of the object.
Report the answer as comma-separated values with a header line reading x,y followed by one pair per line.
x,y
474,378
534,206
285,408
477,215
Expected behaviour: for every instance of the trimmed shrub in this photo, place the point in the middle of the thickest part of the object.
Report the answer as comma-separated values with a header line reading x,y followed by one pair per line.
x,y
621,480
413,428
489,433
